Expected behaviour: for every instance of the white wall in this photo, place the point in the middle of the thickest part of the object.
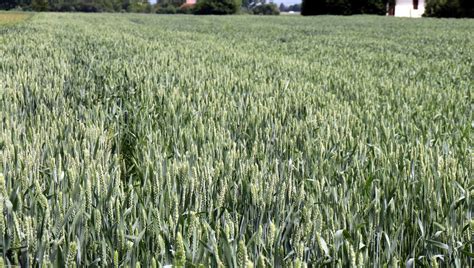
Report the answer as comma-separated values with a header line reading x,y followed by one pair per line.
x,y
404,8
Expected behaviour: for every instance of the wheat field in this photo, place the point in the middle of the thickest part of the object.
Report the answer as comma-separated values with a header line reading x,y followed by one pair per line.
x,y
9,18
242,141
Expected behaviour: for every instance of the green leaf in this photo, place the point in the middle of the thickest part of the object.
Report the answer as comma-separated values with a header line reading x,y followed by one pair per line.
x,y
437,244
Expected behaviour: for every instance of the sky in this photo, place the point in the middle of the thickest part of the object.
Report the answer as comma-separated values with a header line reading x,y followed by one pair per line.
x,y
286,2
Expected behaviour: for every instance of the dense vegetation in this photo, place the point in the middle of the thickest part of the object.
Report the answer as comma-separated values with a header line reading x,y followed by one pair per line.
x,y
236,141
12,18
434,8
79,5
451,8
217,7
344,7
220,7
266,9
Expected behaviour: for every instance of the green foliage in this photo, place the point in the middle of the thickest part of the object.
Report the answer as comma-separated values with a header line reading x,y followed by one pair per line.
x,y
174,7
8,19
217,7
266,9
8,4
139,6
176,3
213,141
39,5
249,4
166,9
343,7
142,6
378,7
315,7
450,8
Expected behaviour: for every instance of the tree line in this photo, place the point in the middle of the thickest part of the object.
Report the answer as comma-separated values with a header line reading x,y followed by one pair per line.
x,y
78,5
451,8
344,7
434,8
141,6
220,7
290,8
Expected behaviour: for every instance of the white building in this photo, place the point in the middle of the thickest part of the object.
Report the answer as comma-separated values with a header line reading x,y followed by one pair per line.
x,y
407,8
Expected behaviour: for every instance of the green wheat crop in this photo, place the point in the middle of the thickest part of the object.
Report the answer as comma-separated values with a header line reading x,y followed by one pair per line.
x,y
144,141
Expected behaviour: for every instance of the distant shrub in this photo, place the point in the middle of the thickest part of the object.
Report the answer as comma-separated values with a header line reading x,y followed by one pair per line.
x,y
266,9
217,7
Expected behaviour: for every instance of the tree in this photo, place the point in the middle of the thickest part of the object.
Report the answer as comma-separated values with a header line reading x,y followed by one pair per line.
x,y
369,7
251,3
8,4
467,8
343,7
313,7
139,6
283,8
450,8
175,3
217,7
295,8
266,9
338,7
39,5
55,5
